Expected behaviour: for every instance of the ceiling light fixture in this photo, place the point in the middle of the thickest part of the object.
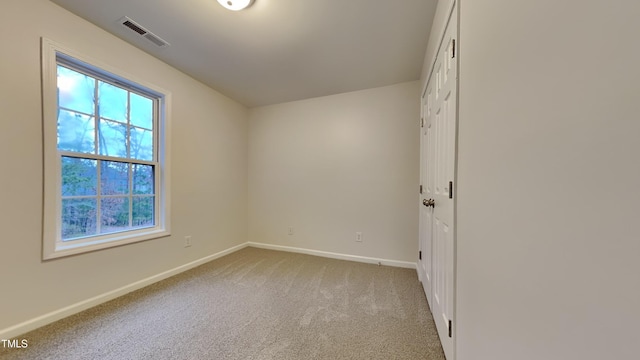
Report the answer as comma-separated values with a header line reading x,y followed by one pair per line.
x,y
236,5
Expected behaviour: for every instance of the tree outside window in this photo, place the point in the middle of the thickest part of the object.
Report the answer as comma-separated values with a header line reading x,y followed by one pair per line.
x,y
105,135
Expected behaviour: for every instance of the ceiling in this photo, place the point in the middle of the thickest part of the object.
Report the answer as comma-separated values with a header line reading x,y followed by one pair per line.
x,y
277,50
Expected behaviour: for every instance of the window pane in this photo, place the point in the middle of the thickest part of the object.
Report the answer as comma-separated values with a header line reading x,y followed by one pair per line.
x,y
114,214
113,102
143,211
78,218
141,144
142,179
112,139
141,111
79,176
101,169
76,132
114,177
75,90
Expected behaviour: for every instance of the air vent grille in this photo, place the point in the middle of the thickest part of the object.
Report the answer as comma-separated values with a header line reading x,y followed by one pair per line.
x,y
141,31
131,25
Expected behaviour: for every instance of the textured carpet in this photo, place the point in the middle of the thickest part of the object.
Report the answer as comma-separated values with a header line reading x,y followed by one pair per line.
x,y
253,304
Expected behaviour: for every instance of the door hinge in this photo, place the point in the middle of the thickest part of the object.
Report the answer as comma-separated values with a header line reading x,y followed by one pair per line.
x,y
453,48
421,122
420,189
450,189
420,255
450,329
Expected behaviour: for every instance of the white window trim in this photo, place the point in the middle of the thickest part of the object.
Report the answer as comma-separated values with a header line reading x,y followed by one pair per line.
x,y
52,245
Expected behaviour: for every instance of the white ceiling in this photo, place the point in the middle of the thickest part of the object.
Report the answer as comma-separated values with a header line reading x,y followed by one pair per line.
x,y
278,50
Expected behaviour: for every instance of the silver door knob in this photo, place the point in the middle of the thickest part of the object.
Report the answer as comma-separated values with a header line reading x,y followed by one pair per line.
x,y
428,203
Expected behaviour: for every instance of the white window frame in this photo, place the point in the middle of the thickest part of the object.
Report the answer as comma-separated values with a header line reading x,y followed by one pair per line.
x,y
52,244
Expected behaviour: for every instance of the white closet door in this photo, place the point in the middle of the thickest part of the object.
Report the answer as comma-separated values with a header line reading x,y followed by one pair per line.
x,y
425,265
437,213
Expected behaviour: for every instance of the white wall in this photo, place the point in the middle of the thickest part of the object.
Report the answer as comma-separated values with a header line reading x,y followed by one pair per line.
x,y
335,165
209,163
548,230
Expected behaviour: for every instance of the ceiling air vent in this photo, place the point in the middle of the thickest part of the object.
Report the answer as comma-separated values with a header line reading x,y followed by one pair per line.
x,y
128,23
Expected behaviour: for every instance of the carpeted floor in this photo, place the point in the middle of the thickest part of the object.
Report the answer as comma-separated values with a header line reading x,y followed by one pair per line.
x,y
253,304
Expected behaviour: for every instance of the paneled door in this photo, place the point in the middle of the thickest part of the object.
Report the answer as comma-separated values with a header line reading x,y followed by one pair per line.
x,y
427,157
438,172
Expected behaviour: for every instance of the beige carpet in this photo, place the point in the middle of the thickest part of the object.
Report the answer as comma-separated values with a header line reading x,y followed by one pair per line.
x,y
253,304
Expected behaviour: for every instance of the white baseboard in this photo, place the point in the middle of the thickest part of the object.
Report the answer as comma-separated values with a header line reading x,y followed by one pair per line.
x,y
48,318
24,327
363,259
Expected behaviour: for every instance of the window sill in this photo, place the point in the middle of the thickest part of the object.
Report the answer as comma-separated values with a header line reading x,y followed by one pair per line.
x,y
69,248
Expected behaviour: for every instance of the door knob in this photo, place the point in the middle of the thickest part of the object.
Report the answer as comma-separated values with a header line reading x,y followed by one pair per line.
x,y
428,203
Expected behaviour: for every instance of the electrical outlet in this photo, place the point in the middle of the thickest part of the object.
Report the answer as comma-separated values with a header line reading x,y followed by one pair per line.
x,y
187,241
290,230
358,236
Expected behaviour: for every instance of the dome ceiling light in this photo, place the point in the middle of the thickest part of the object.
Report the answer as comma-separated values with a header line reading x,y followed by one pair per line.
x,y
236,5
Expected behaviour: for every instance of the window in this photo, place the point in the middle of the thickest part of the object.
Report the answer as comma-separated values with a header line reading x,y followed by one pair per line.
x,y
105,155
